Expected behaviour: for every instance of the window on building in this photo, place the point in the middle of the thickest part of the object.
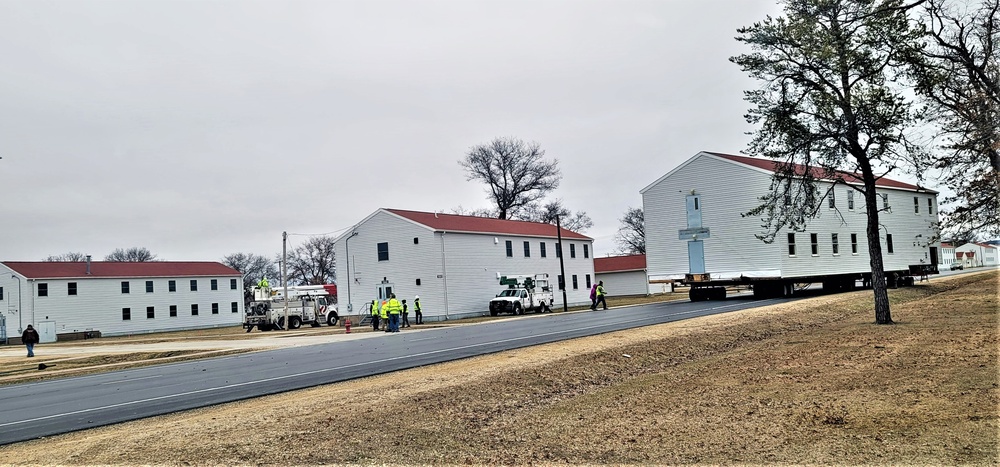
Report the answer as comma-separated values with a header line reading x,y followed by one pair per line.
x,y
835,242
791,244
510,248
832,199
173,311
70,289
527,249
558,250
194,309
572,250
854,244
194,285
150,313
149,286
215,284
575,284
916,205
930,206
232,284
43,289
541,249
416,240
171,286
561,282
235,307
1,293
383,251
586,251
215,308
814,240
850,199
125,287
885,201
126,314
588,280
888,243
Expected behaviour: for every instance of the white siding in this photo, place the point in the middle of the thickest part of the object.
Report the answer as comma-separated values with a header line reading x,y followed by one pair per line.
x,y
98,304
625,283
733,249
457,271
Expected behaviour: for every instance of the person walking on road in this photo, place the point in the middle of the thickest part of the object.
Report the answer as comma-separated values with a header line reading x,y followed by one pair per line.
x,y
416,309
406,315
375,316
600,296
29,338
593,297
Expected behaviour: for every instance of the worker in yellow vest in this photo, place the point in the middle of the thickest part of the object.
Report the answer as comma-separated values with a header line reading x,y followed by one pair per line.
x,y
375,315
394,309
418,310
384,313
600,296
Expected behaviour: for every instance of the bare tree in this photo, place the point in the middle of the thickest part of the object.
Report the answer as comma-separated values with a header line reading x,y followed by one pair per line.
x,y
958,75
131,255
829,106
254,267
67,257
547,213
514,171
631,236
313,262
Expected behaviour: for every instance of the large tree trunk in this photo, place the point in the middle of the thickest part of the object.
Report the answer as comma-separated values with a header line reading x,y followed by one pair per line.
x,y
882,312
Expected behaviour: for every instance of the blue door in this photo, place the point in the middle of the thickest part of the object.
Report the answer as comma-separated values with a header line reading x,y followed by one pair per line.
x,y
696,256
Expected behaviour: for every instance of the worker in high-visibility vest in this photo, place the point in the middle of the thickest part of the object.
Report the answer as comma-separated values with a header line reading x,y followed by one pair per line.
x,y
375,315
263,284
600,296
419,311
384,313
394,309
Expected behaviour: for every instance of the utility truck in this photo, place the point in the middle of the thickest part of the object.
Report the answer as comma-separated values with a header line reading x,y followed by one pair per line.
x,y
523,293
307,304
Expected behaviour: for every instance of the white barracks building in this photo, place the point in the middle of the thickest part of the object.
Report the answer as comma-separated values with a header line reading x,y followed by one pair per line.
x,y
71,299
452,261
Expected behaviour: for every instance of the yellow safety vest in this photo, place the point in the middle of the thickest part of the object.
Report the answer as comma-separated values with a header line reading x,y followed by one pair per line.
x,y
394,307
374,308
383,311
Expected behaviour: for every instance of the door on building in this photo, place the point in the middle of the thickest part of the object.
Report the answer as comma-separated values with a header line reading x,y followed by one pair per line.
x,y
934,255
696,256
46,332
384,291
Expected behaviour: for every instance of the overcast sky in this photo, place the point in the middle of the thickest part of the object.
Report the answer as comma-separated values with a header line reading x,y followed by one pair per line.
x,y
203,128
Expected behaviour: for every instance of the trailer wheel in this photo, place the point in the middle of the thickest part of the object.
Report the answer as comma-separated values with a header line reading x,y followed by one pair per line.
x,y
294,322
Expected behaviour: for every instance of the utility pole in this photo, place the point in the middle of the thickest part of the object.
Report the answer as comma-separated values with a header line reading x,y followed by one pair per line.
x,y
562,268
347,246
284,271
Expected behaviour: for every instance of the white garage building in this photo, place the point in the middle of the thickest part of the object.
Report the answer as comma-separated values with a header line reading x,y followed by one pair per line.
x,y
69,299
624,275
452,261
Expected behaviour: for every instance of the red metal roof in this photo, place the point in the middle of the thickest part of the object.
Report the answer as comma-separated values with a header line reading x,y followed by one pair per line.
x,y
61,269
620,263
772,165
472,224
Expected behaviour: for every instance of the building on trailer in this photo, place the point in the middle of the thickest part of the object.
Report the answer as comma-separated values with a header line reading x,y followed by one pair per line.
x,y
453,262
626,275
70,300
695,229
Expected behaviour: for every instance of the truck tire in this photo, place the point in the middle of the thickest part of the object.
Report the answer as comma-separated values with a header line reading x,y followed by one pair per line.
x,y
517,309
294,322
264,327
332,319
493,311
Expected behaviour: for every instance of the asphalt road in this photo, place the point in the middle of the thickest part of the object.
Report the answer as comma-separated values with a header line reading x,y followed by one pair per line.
x,y
46,408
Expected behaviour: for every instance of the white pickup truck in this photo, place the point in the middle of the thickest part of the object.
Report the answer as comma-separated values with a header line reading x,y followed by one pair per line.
x,y
523,293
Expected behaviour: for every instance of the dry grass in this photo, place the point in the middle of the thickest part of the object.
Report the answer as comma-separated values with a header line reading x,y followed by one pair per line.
x,y
811,382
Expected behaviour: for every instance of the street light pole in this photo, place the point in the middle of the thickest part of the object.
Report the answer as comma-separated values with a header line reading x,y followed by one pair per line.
x,y
347,245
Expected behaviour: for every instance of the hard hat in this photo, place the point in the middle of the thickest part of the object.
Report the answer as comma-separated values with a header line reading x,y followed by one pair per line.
x,y
417,297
